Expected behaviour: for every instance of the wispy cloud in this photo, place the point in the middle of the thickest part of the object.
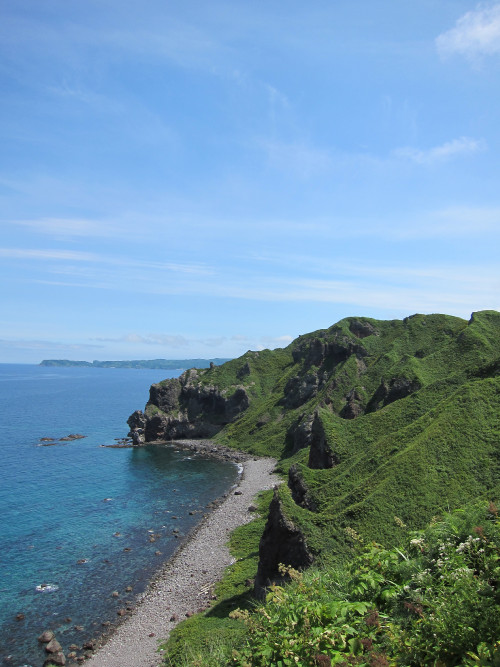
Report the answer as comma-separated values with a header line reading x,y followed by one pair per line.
x,y
451,222
272,342
109,261
476,33
30,254
298,157
47,345
442,153
70,227
168,340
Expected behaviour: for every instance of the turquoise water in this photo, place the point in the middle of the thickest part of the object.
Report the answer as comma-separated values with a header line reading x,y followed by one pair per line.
x,y
77,516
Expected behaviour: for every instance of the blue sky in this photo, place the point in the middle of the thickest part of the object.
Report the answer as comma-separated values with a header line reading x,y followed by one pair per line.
x,y
202,178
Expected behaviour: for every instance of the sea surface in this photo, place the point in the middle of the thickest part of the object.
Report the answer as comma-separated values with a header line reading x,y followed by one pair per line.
x,y
79,520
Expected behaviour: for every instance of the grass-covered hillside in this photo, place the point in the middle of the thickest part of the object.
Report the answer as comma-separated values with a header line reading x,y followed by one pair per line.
x,y
375,418
378,426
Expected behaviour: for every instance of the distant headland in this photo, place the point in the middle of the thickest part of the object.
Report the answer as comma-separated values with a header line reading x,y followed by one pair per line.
x,y
166,364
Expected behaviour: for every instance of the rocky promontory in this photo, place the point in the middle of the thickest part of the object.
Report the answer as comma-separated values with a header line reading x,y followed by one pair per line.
x,y
185,407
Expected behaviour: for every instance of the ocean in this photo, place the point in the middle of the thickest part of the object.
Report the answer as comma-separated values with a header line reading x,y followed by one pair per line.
x,y
79,520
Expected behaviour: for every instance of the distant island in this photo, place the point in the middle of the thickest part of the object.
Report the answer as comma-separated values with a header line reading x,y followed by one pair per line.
x,y
166,364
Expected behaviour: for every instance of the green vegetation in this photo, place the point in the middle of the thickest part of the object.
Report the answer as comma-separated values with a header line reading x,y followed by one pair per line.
x,y
409,415
435,601
166,364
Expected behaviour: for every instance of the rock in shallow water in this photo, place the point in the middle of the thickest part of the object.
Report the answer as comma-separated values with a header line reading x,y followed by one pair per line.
x,y
56,659
53,646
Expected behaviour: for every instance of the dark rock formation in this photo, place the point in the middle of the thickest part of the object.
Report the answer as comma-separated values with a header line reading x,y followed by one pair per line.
x,y
184,408
388,392
166,395
353,407
137,424
317,351
320,454
244,371
300,389
281,542
299,435
362,329
299,490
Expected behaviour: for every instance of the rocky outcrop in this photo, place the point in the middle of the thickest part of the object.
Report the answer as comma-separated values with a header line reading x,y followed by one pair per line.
x,y
185,408
354,405
137,425
281,543
320,454
299,435
388,392
300,492
244,371
299,389
318,350
362,329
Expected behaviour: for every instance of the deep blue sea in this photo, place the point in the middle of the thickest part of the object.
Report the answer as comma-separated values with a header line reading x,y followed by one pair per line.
x,y
76,517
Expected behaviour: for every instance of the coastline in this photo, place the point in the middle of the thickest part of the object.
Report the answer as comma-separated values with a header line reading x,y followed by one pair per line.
x,y
184,584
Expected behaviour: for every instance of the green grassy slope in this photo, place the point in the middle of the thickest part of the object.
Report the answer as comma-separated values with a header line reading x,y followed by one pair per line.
x,y
412,457
409,408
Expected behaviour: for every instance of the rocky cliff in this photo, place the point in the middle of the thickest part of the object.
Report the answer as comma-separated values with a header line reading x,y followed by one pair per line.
x,y
186,408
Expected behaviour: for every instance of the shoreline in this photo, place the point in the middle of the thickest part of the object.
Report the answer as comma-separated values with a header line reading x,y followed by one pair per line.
x,y
184,583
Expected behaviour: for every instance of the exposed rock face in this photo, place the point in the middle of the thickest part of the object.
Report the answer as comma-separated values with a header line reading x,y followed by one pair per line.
x,y
137,424
353,407
166,395
300,433
299,490
184,408
320,454
362,329
244,370
300,389
388,392
316,351
281,542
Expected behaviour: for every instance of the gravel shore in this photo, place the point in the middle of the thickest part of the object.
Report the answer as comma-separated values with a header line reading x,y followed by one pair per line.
x,y
185,584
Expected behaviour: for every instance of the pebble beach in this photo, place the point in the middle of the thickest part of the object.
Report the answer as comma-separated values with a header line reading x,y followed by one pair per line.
x,y
185,584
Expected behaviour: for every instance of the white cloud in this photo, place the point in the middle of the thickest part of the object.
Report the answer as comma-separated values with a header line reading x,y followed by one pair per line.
x,y
273,342
476,33
442,153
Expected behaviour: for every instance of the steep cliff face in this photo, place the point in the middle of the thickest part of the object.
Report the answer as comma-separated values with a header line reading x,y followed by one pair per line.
x,y
186,408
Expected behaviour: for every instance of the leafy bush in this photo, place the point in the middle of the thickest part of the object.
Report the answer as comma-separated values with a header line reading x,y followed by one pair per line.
x,y
436,602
